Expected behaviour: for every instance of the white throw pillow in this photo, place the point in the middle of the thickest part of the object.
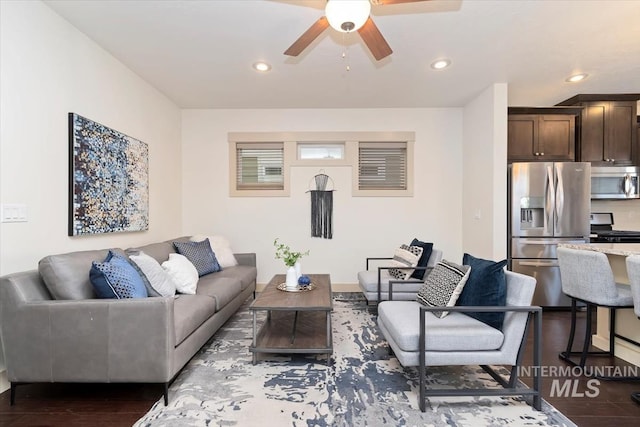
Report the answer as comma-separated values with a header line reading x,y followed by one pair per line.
x,y
404,256
221,248
182,272
443,286
158,278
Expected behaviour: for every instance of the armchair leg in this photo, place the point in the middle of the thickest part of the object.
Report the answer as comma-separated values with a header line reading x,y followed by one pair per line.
x,y
12,395
166,394
422,361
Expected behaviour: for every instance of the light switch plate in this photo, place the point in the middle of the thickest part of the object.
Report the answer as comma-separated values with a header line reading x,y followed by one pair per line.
x,y
13,212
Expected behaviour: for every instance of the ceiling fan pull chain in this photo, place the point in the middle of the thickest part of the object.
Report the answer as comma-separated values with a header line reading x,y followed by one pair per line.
x,y
345,51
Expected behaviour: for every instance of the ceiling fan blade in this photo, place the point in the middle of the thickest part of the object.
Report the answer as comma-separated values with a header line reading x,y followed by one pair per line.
x,y
373,39
383,2
308,37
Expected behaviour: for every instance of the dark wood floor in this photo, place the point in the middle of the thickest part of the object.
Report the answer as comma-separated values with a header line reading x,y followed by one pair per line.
x,y
116,405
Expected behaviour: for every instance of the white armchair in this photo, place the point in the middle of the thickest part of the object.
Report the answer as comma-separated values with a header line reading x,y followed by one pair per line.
x,y
418,338
374,282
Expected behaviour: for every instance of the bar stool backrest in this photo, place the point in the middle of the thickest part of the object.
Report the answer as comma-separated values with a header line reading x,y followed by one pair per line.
x,y
633,271
587,275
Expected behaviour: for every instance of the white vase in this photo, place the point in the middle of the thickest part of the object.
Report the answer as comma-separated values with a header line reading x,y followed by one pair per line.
x,y
292,280
298,268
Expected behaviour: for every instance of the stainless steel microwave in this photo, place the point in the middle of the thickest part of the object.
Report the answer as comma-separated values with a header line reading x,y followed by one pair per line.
x,y
614,182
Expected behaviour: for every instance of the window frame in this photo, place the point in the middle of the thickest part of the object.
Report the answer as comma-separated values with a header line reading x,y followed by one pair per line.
x,y
291,140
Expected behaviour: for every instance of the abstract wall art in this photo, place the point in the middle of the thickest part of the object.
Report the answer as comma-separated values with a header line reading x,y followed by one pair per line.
x,y
108,180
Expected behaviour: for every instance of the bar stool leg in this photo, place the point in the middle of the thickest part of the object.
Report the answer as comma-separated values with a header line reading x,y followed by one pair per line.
x,y
587,337
572,331
612,331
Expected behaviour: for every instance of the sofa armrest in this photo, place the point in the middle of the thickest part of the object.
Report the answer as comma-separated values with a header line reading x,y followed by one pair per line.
x,y
89,340
246,259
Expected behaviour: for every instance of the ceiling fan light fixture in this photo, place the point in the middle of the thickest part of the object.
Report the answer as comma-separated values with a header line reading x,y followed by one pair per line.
x,y
440,64
577,77
347,15
263,67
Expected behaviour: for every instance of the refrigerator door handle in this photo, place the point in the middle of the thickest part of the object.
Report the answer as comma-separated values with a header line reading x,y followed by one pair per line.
x,y
559,201
544,242
548,195
539,263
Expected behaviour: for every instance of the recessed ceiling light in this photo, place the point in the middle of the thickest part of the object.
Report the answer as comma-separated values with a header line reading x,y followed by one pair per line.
x,y
261,66
440,64
577,77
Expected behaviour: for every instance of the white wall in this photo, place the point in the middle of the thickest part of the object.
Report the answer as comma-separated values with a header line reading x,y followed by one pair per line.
x,y
626,213
363,226
48,69
484,202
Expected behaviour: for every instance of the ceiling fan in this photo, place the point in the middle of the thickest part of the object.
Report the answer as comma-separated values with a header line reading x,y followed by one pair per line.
x,y
348,16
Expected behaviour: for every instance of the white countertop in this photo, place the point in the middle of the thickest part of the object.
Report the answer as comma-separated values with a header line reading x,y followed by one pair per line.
x,y
624,249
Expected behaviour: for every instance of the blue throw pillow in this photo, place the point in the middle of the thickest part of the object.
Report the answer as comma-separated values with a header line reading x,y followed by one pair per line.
x,y
200,254
424,258
116,278
487,285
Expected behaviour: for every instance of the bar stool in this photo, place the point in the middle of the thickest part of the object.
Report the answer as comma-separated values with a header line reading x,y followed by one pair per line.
x,y
587,277
633,271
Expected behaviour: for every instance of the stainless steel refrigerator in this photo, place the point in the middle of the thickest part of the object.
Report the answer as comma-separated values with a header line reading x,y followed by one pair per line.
x,y
549,203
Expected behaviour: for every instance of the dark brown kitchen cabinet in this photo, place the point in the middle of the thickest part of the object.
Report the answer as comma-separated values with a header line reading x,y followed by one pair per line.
x,y
607,129
540,137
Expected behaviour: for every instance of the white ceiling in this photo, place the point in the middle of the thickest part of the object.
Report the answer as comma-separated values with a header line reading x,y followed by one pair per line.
x,y
199,53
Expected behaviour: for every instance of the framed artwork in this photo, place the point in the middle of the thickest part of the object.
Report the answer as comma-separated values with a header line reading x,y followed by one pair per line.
x,y
108,180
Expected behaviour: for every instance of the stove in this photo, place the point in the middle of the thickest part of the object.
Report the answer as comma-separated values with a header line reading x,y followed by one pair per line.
x,y
602,230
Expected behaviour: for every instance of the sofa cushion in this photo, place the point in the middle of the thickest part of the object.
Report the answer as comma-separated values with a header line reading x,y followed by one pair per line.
x,y
67,275
183,274
443,286
455,332
427,248
223,289
159,279
221,248
404,256
245,273
189,312
487,285
115,277
200,255
368,280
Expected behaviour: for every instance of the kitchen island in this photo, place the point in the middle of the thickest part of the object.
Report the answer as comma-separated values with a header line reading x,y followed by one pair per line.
x,y
628,324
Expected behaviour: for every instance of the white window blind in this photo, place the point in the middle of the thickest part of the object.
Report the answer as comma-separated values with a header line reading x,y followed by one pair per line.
x,y
260,166
382,166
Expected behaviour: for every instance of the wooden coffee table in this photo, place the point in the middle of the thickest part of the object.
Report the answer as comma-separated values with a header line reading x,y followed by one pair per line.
x,y
297,322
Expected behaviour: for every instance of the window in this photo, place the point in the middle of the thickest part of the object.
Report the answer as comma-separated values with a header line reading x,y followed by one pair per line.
x,y
259,166
382,166
321,151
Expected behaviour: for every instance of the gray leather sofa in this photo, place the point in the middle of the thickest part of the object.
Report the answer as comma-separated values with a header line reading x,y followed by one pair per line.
x,y
85,339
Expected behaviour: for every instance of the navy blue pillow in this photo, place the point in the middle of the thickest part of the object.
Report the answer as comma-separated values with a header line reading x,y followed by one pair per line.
x,y
201,256
487,285
424,258
116,278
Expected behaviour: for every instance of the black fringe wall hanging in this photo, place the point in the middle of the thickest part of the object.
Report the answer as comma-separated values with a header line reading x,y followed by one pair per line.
x,y
322,207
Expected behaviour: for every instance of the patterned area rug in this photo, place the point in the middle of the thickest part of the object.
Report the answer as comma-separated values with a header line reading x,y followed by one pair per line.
x,y
363,386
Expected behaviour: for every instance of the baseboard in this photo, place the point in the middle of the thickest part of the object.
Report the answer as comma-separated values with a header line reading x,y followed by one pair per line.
x,y
335,287
4,381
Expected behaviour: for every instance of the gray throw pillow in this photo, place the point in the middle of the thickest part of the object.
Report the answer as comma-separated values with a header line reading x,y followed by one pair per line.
x,y
159,279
